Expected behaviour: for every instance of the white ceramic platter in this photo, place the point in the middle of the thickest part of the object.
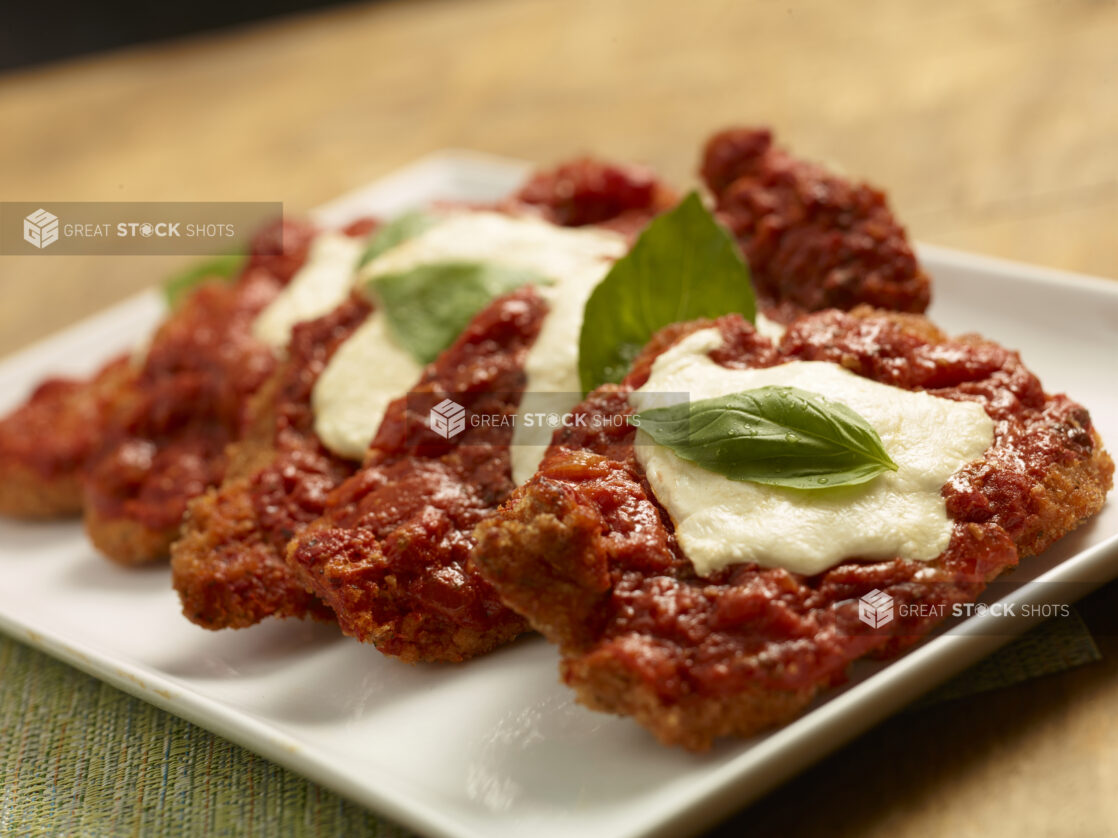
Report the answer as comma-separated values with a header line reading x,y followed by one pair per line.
x,y
497,747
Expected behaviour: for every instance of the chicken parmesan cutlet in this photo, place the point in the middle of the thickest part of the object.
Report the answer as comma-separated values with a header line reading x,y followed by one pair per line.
x,y
184,402
48,443
705,606
342,370
390,553
813,240
228,566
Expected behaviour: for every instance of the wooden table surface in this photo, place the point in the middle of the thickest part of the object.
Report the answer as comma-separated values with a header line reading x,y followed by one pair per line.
x,y
993,125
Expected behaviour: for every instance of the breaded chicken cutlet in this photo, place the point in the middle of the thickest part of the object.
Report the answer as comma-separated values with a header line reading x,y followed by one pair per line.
x,y
228,567
48,444
389,554
46,441
185,403
813,240
587,553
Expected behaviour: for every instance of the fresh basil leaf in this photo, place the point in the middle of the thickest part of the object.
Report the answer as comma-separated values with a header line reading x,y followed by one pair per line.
x,y
682,267
397,231
222,268
428,306
779,436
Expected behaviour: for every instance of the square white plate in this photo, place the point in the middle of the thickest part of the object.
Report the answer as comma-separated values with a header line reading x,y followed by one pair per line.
x,y
497,747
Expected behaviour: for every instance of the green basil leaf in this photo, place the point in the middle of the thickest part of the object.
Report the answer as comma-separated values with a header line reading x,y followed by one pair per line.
x,y
682,267
221,268
397,231
428,306
779,436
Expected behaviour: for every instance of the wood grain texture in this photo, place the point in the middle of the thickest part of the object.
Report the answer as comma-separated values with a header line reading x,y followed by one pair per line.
x,y
993,125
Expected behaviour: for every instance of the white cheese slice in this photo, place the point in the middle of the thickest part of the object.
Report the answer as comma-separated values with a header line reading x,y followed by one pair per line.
x,y
317,288
370,369
364,375
578,260
720,522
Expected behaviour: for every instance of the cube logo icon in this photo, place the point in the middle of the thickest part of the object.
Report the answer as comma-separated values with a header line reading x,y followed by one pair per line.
x,y
875,609
447,419
40,228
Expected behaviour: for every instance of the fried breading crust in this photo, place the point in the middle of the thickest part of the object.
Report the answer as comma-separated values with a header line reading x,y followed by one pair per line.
x,y
813,240
45,442
189,401
228,567
589,557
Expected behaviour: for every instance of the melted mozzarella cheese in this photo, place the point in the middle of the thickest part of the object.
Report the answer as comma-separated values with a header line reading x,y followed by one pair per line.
x,y
317,288
577,260
352,393
370,369
721,521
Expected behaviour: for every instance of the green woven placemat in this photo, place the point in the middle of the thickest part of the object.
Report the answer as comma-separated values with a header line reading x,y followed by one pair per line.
x,y
78,757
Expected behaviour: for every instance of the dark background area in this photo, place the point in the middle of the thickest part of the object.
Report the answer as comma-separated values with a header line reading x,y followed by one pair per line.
x,y
38,32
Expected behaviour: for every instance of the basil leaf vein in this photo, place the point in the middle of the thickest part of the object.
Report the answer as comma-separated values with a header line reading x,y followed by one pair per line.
x,y
778,436
684,266
428,306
